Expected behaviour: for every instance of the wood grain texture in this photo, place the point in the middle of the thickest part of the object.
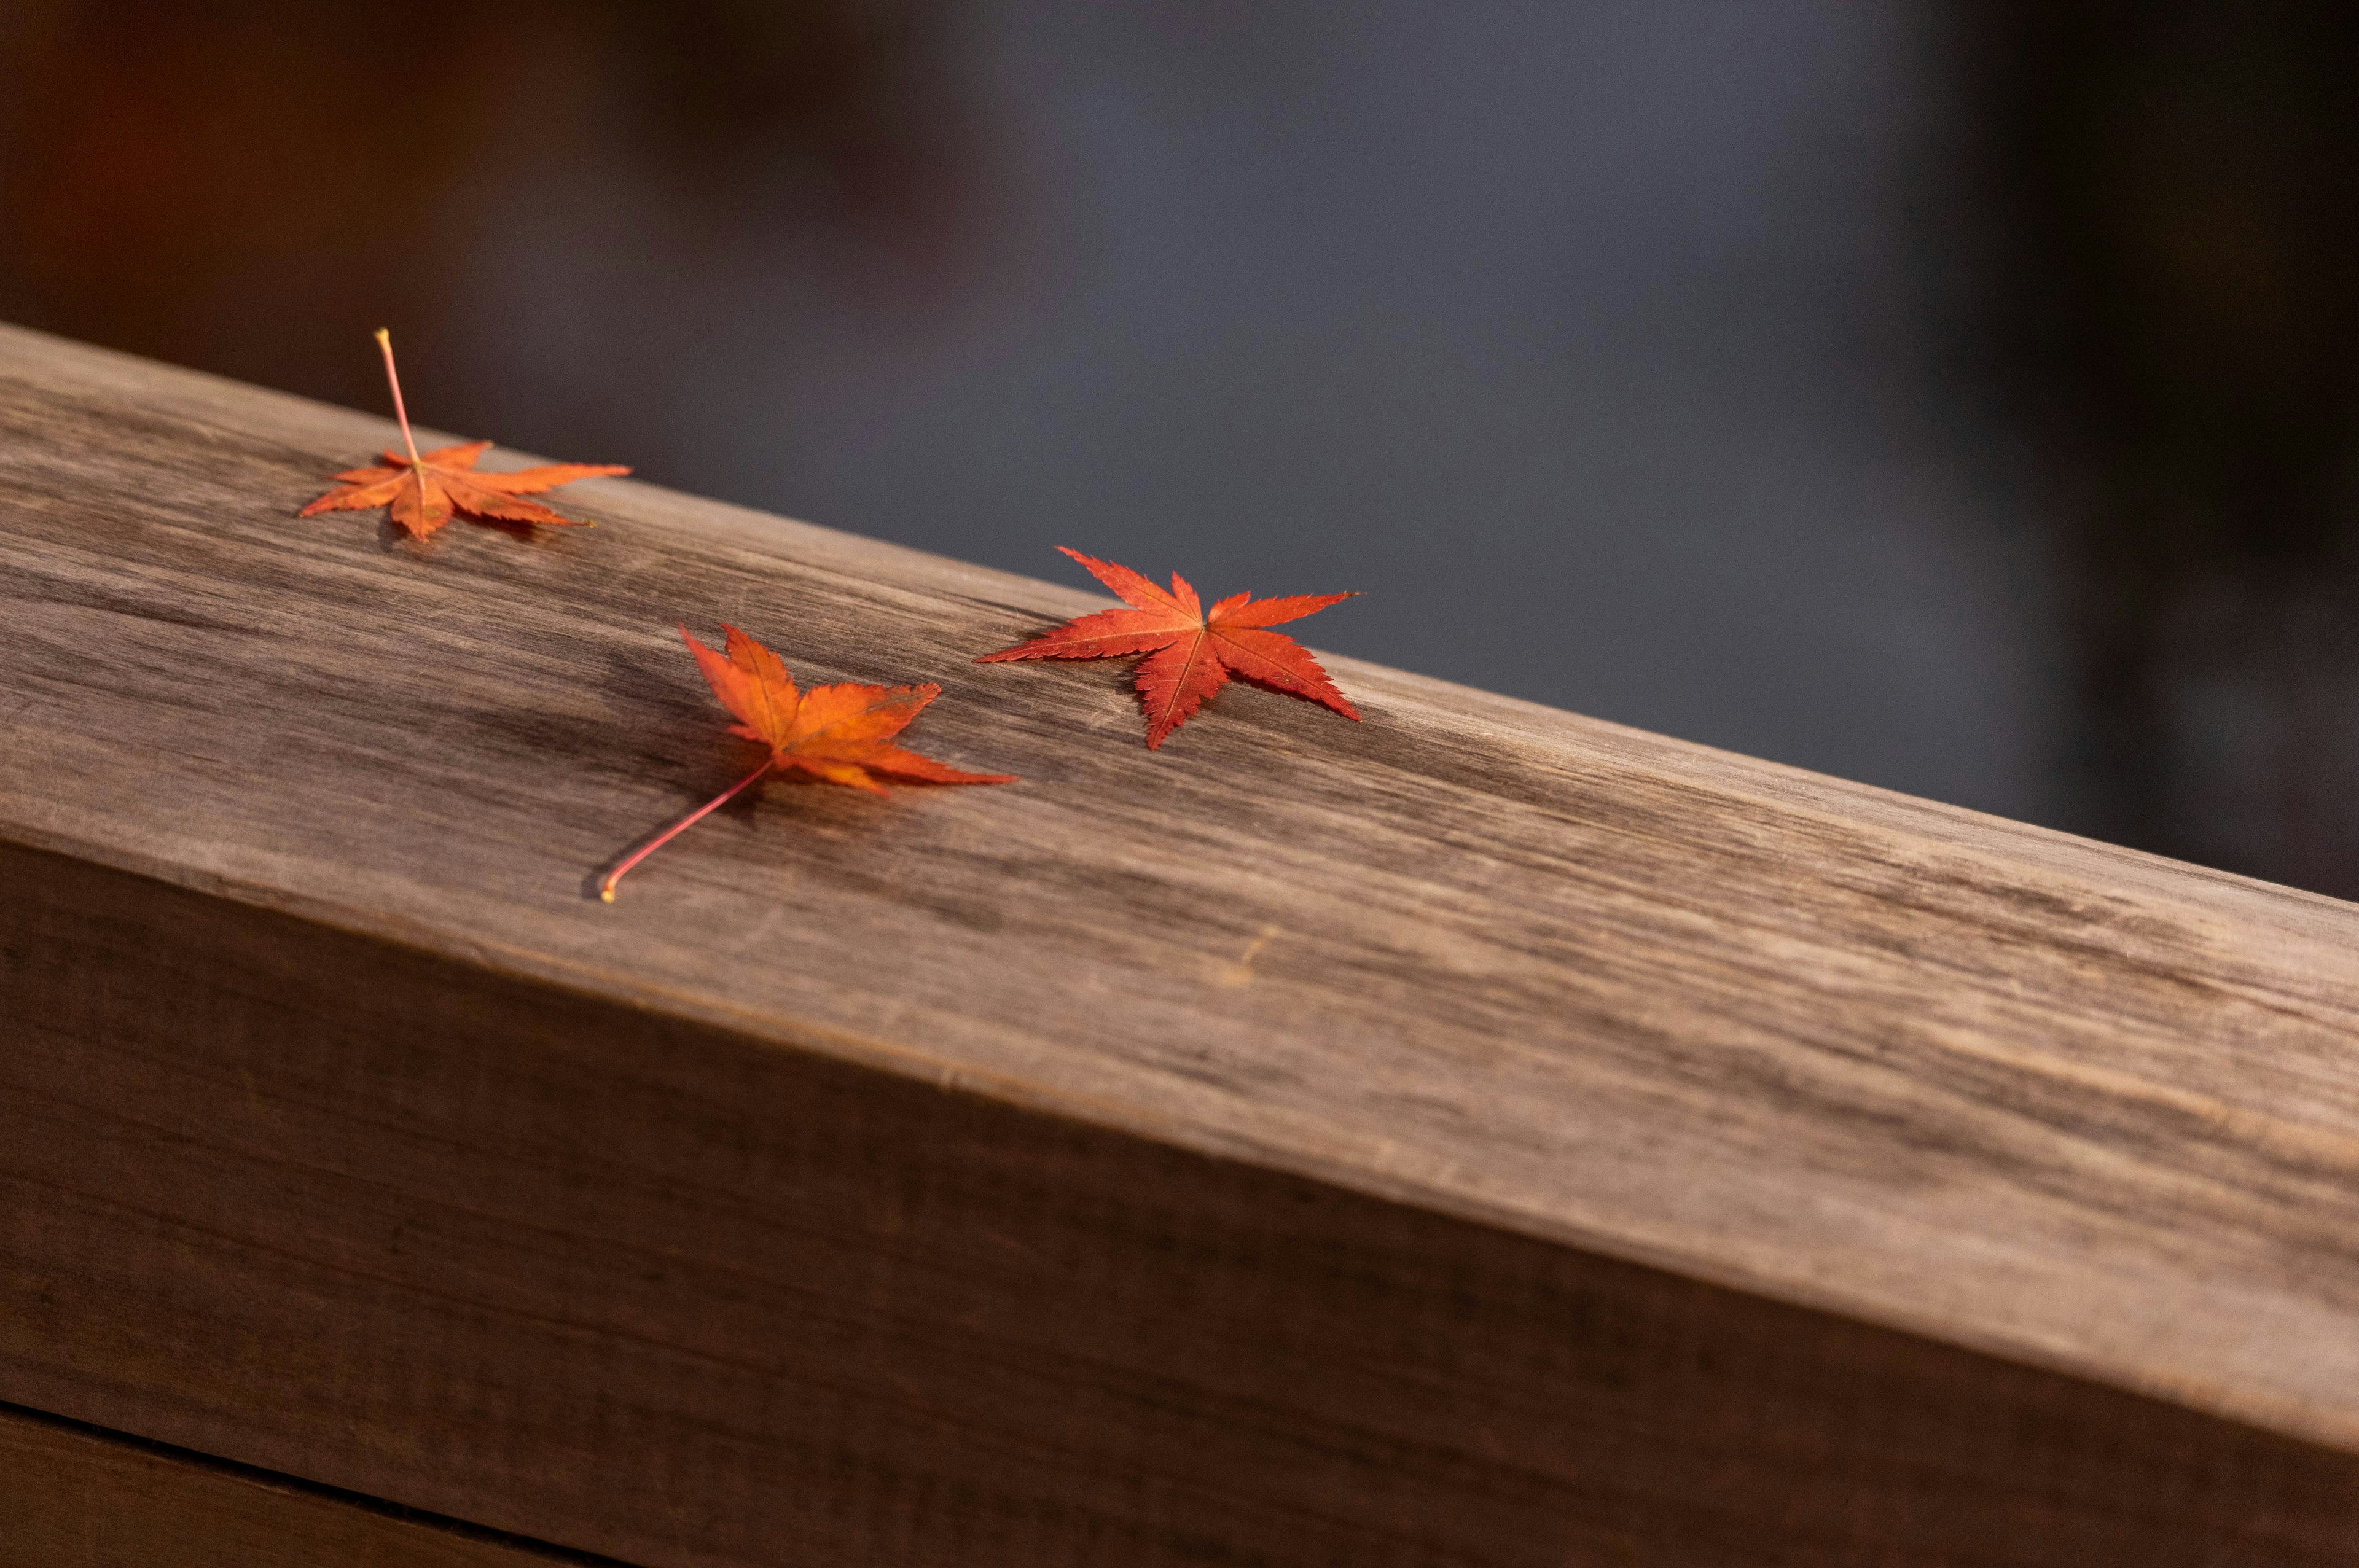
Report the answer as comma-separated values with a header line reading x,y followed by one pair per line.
x,y
1473,974
650,1288
75,1497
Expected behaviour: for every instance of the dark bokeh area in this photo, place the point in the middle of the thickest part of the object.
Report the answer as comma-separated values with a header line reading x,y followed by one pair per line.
x,y
2165,194
1958,397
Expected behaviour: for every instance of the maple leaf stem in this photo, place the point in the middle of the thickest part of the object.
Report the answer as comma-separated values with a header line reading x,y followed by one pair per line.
x,y
385,342
606,887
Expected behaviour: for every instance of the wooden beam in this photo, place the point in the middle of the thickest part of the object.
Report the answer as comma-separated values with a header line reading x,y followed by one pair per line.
x,y
74,1496
1480,1135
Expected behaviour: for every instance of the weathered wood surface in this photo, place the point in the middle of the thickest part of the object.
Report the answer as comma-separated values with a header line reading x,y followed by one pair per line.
x,y
1236,1150
643,1287
73,1498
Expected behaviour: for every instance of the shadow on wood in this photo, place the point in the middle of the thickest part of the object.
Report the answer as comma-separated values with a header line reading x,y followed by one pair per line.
x,y
514,1255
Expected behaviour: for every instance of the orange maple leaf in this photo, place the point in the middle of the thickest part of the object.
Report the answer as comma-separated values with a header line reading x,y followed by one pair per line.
x,y
1190,652
424,490
840,734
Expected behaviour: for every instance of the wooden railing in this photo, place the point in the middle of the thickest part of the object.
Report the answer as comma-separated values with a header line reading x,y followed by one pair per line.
x,y
1480,1135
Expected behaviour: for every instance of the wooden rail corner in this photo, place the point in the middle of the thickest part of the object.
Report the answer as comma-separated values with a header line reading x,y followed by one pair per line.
x,y
1477,1136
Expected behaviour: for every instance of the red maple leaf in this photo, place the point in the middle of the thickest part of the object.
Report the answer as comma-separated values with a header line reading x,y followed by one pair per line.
x,y
424,490
842,734
1190,652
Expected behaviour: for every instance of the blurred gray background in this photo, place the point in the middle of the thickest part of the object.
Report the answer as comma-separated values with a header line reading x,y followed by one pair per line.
x,y
1953,397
